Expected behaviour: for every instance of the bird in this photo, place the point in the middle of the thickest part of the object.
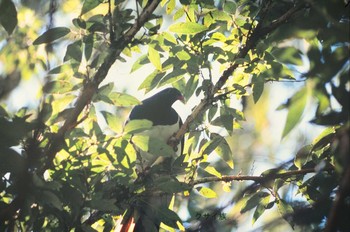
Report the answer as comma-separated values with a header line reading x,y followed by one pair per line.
x,y
165,123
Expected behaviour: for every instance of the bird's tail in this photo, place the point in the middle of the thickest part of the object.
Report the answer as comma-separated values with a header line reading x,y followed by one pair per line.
x,y
126,223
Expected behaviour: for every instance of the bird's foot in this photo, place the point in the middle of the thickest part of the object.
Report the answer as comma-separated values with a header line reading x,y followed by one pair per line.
x,y
173,142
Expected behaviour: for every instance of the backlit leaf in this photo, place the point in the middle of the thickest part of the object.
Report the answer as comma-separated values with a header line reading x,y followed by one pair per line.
x,y
141,141
324,138
160,148
135,126
302,156
224,151
211,170
187,28
151,80
123,99
289,55
113,121
152,145
207,192
154,57
215,140
295,110
172,77
140,62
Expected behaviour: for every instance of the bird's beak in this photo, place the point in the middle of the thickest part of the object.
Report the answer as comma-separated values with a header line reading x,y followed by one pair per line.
x,y
182,99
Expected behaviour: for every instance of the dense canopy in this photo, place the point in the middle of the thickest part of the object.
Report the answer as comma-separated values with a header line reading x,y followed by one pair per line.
x,y
266,121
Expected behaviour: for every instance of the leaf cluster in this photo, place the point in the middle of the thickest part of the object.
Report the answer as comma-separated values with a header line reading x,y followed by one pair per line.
x,y
69,162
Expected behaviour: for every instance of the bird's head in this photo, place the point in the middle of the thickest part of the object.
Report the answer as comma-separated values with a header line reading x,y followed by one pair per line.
x,y
167,97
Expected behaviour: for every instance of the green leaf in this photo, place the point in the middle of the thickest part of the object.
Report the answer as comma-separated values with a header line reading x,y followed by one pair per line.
x,y
160,148
286,210
63,115
187,28
51,35
136,126
253,201
215,140
61,68
225,152
170,6
89,5
260,209
172,77
123,99
141,141
191,86
296,109
154,57
171,185
169,37
225,120
152,80
79,23
211,170
8,16
303,156
152,145
58,87
258,87
183,55
324,138
230,7
88,45
206,192
140,62
74,51
112,121
212,112
106,89
168,217
289,55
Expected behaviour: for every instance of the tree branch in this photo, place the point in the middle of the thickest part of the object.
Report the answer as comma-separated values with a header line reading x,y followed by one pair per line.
x,y
89,90
257,34
91,87
259,179
343,192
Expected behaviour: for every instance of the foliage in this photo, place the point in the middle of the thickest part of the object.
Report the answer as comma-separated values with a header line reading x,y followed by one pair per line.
x,y
62,169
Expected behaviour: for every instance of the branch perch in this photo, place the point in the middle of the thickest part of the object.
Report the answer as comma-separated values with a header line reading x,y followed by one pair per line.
x,y
259,179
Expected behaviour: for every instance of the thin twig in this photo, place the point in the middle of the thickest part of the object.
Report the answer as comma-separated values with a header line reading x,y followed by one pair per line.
x,y
111,22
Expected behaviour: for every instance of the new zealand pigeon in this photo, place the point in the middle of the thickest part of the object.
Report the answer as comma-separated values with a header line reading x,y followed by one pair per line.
x,y
166,121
